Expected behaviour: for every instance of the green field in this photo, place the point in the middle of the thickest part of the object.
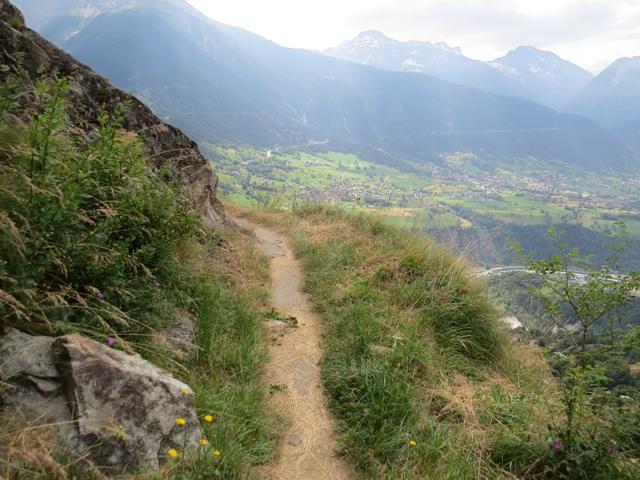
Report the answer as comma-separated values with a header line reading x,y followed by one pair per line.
x,y
453,194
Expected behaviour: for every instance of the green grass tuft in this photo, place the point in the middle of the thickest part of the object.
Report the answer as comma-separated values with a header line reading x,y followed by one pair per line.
x,y
418,368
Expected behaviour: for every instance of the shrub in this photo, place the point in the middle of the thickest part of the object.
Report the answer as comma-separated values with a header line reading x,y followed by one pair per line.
x,y
88,229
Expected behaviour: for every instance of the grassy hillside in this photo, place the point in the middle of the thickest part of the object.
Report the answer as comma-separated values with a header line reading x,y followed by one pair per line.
x,y
418,370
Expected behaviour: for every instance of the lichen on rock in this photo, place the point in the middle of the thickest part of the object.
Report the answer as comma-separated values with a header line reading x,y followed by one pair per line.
x,y
118,408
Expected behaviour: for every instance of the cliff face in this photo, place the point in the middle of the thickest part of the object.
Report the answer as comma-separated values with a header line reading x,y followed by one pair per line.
x,y
90,92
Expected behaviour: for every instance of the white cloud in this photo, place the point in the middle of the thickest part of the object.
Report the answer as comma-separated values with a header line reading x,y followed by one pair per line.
x,y
591,33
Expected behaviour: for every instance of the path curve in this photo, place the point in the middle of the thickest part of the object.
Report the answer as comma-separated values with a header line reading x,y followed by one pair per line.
x,y
309,446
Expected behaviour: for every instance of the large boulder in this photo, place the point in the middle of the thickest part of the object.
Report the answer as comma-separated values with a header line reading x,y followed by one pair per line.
x,y
119,408
123,404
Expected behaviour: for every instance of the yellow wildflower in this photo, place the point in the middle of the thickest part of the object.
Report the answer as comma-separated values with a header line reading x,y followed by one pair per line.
x,y
216,453
180,422
208,418
172,452
204,442
186,391
413,443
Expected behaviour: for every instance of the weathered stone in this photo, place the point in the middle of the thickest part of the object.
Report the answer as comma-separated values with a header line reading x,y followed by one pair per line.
x,y
278,324
179,339
23,354
125,408
34,390
380,349
118,408
89,93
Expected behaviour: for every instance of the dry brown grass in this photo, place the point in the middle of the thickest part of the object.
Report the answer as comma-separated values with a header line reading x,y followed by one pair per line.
x,y
29,449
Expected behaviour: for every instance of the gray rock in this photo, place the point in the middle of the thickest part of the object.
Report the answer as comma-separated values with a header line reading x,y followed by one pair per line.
x,y
277,324
380,349
118,408
22,354
294,440
34,388
125,408
179,339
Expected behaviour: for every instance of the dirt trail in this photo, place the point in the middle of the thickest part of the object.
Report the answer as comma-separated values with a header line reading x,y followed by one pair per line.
x,y
308,450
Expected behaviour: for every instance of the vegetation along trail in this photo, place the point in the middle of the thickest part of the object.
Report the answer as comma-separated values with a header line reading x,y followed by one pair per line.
x,y
309,447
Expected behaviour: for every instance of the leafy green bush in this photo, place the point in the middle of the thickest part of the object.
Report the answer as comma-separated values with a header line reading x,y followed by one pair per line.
x,y
595,435
88,230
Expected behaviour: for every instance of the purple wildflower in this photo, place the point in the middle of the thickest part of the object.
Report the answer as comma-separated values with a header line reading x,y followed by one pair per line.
x,y
111,341
557,446
100,295
612,449
157,284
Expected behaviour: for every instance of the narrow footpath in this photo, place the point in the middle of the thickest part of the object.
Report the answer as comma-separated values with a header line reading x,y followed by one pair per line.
x,y
309,443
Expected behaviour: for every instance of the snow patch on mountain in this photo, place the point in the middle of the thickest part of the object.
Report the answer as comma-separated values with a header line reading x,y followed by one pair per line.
x,y
411,65
504,69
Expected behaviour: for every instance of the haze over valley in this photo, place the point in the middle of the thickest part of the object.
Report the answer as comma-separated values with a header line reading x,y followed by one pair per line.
x,y
222,257
475,141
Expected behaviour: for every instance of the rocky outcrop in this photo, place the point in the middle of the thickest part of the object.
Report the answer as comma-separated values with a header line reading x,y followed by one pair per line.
x,y
118,408
23,48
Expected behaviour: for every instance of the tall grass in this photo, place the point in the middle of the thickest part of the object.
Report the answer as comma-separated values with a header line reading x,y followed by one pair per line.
x,y
93,240
417,367
88,233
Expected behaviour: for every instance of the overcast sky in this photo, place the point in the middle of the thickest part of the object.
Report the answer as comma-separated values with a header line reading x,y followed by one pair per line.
x,y
591,33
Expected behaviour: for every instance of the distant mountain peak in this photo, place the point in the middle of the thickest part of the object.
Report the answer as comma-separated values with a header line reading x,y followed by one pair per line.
x,y
371,39
625,71
625,62
372,33
375,38
447,47
526,71
612,99
531,48
530,52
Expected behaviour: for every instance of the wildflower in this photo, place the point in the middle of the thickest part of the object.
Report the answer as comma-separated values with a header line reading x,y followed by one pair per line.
x,y
216,453
557,446
100,295
204,442
612,449
208,418
185,391
110,341
180,422
172,452
157,284
413,443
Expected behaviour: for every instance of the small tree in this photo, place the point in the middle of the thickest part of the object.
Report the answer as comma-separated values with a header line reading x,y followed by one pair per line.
x,y
583,302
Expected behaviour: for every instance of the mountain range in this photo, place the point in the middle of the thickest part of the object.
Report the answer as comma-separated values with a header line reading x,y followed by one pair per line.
x,y
225,84
612,98
525,72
